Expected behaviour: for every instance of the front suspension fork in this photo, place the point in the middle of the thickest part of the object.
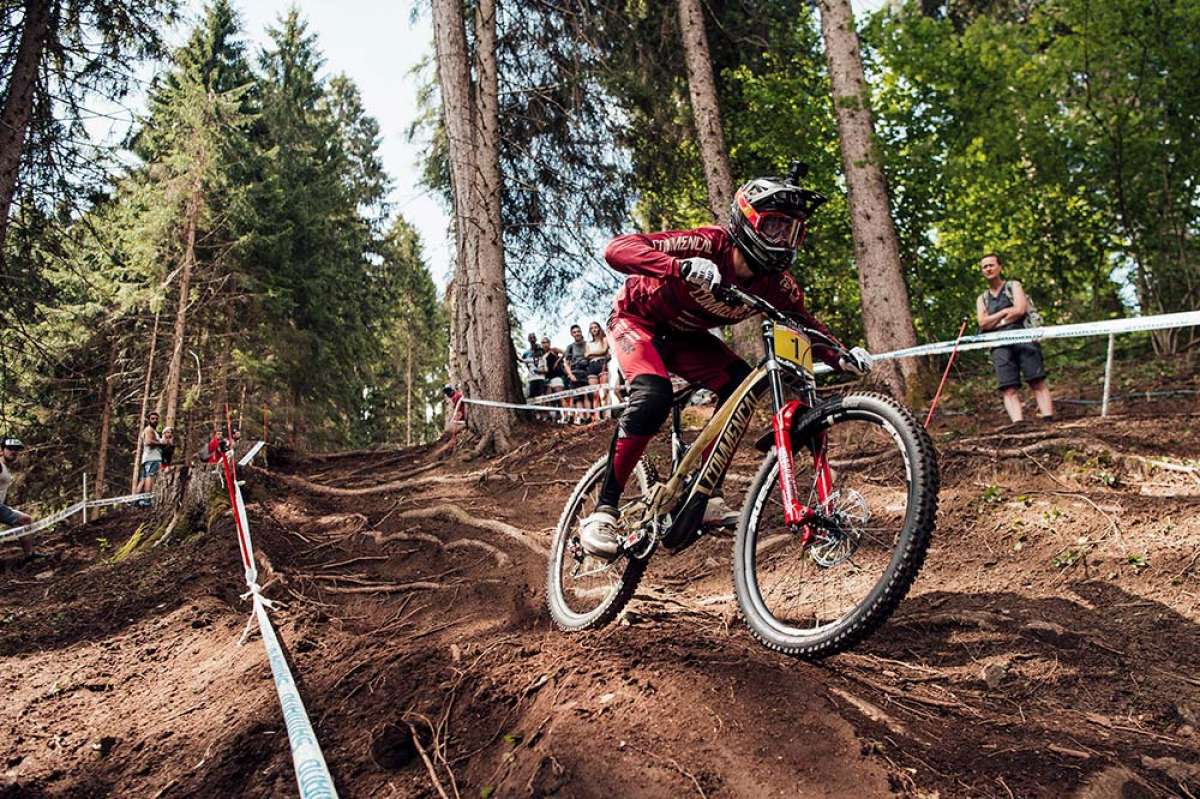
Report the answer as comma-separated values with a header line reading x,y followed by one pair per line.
x,y
795,512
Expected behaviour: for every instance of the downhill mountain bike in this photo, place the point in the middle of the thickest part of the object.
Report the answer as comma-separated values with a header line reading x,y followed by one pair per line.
x,y
834,526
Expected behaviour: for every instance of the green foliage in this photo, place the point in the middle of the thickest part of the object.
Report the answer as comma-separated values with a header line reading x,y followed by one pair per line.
x,y
304,293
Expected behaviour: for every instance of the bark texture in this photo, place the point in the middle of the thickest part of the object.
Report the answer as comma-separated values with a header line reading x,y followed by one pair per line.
x,y
718,175
18,103
106,405
481,361
706,109
137,448
887,317
175,369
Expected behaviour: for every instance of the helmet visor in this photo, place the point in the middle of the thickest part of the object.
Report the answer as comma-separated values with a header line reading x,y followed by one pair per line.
x,y
780,230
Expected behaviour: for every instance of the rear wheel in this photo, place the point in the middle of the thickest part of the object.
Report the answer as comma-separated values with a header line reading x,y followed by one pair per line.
x,y
585,592
817,598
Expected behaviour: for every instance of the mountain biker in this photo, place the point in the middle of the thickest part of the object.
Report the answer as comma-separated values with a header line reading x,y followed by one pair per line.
x,y
662,314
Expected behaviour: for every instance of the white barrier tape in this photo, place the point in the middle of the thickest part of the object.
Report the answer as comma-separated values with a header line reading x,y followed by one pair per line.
x,y
312,773
570,392
249,456
125,500
1137,324
540,408
13,533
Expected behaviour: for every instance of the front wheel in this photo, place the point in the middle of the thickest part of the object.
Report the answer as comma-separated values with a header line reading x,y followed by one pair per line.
x,y
582,591
817,597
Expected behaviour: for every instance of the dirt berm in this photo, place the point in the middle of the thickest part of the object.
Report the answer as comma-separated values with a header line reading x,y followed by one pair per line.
x,y
1049,648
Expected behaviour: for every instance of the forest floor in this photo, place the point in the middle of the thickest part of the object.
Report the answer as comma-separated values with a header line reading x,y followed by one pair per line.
x,y
1049,647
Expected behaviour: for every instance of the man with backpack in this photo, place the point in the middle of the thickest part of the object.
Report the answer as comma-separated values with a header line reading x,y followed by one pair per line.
x,y
1003,305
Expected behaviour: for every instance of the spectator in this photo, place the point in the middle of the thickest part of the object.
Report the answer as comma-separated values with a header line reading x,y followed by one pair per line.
x,y
535,361
576,364
10,453
167,447
556,375
1004,306
456,410
597,363
151,446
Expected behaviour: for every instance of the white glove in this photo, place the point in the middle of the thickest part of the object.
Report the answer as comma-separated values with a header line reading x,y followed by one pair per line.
x,y
857,361
700,272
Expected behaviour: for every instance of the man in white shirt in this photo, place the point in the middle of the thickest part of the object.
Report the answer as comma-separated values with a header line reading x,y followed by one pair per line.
x,y
10,453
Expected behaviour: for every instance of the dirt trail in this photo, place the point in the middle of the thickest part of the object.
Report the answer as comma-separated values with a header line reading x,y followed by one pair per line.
x,y
1048,649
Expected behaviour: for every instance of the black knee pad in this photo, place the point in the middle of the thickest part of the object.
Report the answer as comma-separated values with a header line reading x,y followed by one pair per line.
x,y
649,403
737,371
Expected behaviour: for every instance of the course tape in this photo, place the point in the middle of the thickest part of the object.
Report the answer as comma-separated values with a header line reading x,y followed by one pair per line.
x,y
570,392
312,773
1000,338
540,408
1136,324
249,456
13,533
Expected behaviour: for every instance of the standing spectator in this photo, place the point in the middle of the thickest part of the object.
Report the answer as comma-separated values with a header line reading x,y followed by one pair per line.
x,y
597,363
534,360
556,375
151,447
1004,306
576,365
10,453
456,410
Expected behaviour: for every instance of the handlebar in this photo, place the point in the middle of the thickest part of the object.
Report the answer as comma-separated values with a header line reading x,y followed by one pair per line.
x,y
735,296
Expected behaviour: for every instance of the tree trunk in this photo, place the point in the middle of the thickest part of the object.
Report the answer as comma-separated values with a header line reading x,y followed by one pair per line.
x,y
408,389
887,317
137,452
479,324
718,175
186,500
18,103
221,395
174,371
106,404
706,109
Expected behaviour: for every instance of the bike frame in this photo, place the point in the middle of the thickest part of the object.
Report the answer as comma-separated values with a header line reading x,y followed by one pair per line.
x,y
709,455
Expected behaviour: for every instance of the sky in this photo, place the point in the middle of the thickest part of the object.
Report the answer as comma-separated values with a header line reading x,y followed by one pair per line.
x,y
378,43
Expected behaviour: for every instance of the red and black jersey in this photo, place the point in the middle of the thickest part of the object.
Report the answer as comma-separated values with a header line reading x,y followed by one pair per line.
x,y
656,294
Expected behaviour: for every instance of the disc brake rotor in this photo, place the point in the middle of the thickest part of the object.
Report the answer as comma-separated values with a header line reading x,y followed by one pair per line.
x,y
846,513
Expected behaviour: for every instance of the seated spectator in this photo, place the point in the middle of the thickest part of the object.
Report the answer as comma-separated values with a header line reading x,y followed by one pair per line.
x,y
167,447
210,453
456,411
10,453
1004,306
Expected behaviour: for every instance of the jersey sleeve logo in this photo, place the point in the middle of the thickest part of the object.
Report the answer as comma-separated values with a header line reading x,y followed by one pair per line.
x,y
688,242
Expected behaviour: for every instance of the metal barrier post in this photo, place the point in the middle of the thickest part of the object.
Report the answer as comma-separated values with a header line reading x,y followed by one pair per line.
x,y
85,497
1107,376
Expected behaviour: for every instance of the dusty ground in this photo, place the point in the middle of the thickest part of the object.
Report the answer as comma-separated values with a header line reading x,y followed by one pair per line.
x,y
1049,648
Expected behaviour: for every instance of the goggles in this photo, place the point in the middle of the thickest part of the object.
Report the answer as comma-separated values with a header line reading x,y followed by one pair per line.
x,y
776,229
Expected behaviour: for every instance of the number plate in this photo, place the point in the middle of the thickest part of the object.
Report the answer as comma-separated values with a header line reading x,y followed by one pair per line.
x,y
793,346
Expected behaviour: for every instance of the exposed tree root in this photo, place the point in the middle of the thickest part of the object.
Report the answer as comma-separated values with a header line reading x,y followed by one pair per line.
x,y
502,559
387,588
457,514
382,488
